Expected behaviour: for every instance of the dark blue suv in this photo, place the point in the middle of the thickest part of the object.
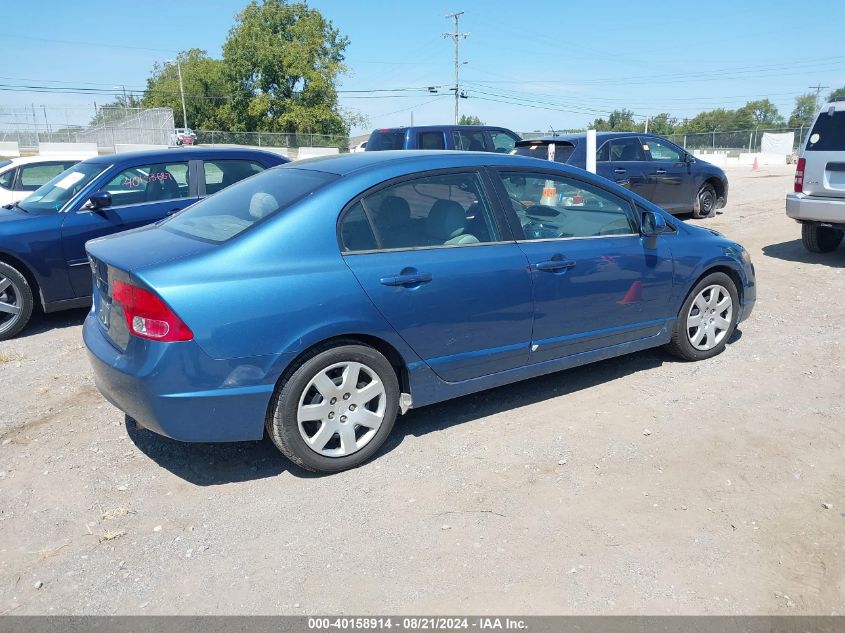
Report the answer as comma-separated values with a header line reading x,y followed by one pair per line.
x,y
472,138
648,165
42,238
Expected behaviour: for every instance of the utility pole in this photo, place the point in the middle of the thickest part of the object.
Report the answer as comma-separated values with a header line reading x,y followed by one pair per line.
x,y
181,92
818,90
456,37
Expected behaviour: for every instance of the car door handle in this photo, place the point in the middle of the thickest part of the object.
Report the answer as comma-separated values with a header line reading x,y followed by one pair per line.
x,y
172,211
660,172
554,264
618,170
411,279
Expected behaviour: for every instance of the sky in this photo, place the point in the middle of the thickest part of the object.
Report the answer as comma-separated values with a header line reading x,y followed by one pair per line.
x,y
539,65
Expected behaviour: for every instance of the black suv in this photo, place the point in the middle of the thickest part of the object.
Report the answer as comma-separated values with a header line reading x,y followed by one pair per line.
x,y
473,138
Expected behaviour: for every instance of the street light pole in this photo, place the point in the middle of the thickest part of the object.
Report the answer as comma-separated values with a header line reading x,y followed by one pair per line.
x,y
181,92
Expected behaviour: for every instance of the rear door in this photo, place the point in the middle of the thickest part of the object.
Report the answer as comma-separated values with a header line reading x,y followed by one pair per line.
x,y
431,139
597,282
470,140
141,195
824,171
671,176
435,260
623,160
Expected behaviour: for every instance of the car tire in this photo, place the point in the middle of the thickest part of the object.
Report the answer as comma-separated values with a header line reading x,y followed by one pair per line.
x,y
324,423
705,324
705,202
15,294
820,239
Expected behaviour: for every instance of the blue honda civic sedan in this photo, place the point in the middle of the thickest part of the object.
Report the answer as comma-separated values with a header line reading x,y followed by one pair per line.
x,y
317,300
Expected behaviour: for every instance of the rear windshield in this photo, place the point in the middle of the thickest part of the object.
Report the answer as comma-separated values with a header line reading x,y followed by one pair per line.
x,y
386,139
541,150
224,215
828,134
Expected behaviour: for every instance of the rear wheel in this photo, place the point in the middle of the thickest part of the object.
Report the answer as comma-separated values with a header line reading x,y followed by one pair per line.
x,y
335,409
820,239
705,202
707,319
15,301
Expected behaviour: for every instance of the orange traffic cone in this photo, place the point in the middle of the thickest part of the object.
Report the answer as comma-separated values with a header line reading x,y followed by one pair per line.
x,y
634,294
756,166
549,197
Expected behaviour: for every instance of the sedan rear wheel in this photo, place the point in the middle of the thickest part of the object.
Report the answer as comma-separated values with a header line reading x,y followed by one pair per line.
x,y
15,301
335,408
707,319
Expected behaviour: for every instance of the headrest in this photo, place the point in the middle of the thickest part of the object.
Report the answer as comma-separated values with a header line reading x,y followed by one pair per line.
x,y
262,204
446,220
392,212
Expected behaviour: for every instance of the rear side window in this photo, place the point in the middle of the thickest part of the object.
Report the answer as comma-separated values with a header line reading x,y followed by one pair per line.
x,y
432,140
219,174
439,210
541,150
625,149
386,139
223,216
467,140
828,133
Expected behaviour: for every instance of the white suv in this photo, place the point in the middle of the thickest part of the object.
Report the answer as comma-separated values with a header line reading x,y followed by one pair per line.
x,y
818,202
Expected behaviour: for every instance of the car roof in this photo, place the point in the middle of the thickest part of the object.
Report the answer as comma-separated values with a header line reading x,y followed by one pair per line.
x,y
574,138
180,153
411,161
26,160
424,128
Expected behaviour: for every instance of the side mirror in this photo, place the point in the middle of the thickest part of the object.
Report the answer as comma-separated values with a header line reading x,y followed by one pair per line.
x,y
689,159
653,224
100,200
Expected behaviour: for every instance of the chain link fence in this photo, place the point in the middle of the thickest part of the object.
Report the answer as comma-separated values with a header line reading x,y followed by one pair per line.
x,y
272,139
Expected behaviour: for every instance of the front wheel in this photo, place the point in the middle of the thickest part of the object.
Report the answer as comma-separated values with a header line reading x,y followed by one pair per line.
x,y
707,319
16,301
820,239
335,408
705,202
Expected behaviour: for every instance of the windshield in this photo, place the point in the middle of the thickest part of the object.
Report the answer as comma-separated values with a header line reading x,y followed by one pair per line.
x,y
224,215
541,150
386,139
53,195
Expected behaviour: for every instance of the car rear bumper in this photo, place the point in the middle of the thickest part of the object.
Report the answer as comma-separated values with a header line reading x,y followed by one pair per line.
x,y
176,390
806,208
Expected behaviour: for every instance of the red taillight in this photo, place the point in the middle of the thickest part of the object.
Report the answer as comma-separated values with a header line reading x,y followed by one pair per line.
x,y
799,175
148,316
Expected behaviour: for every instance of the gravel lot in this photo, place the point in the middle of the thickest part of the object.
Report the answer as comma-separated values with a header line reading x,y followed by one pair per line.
x,y
637,485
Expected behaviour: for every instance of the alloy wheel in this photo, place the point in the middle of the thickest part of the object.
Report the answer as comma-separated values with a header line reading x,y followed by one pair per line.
x,y
10,303
341,409
709,317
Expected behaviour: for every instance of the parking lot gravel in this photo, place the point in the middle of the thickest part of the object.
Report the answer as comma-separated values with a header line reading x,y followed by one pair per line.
x,y
639,485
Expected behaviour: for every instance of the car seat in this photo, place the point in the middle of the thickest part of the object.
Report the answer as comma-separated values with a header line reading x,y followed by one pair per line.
x,y
261,205
392,220
446,224
161,185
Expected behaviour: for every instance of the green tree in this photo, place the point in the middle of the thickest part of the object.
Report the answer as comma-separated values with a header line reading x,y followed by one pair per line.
x,y
115,110
759,113
282,60
719,120
617,121
663,124
806,106
837,95
467,119
207,91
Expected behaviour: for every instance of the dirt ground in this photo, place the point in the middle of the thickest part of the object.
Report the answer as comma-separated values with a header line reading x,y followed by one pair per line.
x,y
640,485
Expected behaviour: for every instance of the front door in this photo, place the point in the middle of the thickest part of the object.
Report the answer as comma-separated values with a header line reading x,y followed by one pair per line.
x,y
140,195
431,255
670,175
596,281
623,161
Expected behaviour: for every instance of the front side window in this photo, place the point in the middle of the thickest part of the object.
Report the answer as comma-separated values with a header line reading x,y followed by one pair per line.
x,y
432,140
662,152
53,195
7,178
223,216
551,206
626,149
219,174
503,143
439,210
33,176
149,183
467,140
